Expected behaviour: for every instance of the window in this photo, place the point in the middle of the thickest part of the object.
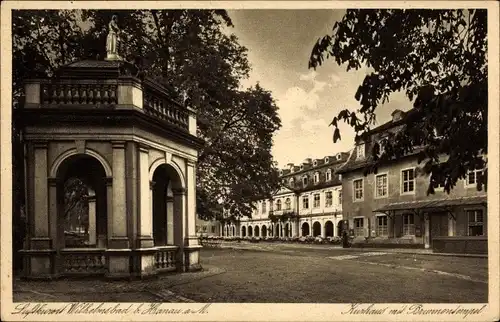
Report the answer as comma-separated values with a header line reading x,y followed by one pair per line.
x,y
382,226
340,197
291,182
305,202
326,160
281,172
408,181
472,177
328,199
340,177
315,163
264,204
381,185
360,151
328,175
358,189
304,180
204,228
316,177
408,224
288,204
278,205
358,227
476,224
212,229
316,200
301,167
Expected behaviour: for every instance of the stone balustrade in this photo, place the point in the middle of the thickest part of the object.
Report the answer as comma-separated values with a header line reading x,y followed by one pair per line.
x,y
164,109
83,261
55,93
165,258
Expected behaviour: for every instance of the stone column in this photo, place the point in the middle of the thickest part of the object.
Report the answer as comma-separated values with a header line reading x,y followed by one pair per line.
x,y
170,220
145,201
192,246
119,222
40,257
192,239
451,225
118,254
427,235
109,209
92,221
179,226
40,238
57,241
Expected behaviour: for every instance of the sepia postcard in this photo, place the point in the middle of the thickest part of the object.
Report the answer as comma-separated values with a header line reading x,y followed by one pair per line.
x,y
250,161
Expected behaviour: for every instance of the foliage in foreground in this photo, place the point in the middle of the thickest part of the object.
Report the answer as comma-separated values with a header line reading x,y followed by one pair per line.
x,y
439,59
190,52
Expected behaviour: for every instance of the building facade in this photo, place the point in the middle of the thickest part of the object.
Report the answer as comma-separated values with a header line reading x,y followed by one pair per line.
x,y
308,204
392,206
132,149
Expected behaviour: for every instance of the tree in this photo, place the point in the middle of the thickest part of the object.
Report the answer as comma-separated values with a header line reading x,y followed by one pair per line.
x,y
190,52
439,59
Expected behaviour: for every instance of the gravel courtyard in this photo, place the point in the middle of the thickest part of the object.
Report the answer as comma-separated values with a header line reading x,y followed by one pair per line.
x,y
287,273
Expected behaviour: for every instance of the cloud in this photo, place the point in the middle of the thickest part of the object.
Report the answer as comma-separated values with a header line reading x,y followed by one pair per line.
x,y
311,76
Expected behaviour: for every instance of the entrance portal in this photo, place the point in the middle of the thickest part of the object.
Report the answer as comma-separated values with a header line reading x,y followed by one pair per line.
x,y
82,203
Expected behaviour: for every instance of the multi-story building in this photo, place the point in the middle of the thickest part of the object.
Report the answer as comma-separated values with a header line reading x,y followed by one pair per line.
x,y
392,206
308,204
207,227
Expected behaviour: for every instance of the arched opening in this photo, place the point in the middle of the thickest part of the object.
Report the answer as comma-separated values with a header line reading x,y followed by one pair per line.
x,y
264,231
243,231
277,230
287,230
256,231
316,229
329,229
250,231
305,229
81,203
167,206
234,231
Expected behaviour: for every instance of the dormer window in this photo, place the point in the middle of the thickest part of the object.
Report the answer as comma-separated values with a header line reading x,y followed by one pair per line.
x,y
304,180
360,151
381,147
339,156
281,172
329,175
315,163
291,182
278,205
316,177
327,160
301,167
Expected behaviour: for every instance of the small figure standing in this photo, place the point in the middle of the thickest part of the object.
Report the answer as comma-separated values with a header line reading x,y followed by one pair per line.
x,y
113,39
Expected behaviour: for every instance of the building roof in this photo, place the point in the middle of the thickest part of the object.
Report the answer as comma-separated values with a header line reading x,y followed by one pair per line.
x,y
353,163
429,204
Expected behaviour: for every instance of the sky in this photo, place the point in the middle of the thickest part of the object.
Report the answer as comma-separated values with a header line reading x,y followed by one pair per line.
x,y
279,43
